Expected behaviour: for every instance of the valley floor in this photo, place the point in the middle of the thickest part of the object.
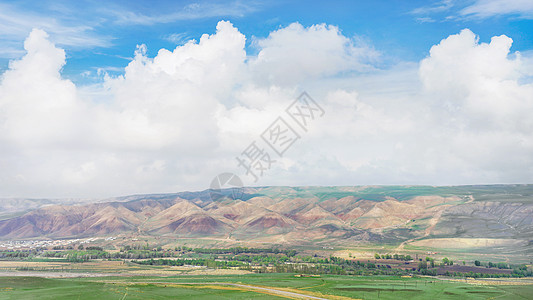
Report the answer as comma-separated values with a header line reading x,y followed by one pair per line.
x,y
259,286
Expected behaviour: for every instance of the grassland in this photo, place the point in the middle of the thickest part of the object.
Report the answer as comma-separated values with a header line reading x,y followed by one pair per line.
x,y
517,193
246,287
57,278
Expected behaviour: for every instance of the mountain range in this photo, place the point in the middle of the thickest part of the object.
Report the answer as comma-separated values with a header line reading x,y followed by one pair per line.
x,y
294,215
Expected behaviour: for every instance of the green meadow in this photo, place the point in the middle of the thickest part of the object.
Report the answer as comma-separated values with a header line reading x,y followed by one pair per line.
x,y
209,287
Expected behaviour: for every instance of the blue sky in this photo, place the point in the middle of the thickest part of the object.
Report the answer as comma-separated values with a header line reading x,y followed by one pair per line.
x,y
102,99
104,35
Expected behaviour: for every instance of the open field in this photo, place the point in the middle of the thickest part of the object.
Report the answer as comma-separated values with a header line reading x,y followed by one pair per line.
x,y
158,261
50,278
105,268
385,242
257,286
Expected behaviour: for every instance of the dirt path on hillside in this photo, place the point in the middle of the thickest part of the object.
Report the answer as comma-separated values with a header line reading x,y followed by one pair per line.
x,y
432,223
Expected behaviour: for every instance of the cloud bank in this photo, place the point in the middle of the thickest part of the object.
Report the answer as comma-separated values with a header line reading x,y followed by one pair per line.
x,y
174,121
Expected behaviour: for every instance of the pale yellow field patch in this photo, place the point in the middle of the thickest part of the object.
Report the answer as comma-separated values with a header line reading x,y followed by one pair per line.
x,y
354,254
465,243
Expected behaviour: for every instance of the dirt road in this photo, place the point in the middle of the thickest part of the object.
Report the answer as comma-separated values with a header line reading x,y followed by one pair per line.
x,y
267,290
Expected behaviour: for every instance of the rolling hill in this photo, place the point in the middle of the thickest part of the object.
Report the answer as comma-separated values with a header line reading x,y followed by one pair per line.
x,y
297,215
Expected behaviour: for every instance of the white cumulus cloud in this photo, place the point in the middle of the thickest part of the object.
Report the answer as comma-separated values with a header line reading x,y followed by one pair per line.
x,y
295,53
174,121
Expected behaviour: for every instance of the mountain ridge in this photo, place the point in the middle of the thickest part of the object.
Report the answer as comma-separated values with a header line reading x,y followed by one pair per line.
x,y
296,215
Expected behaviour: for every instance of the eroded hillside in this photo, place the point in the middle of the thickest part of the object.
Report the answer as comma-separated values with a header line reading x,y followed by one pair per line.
x,y
329,215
